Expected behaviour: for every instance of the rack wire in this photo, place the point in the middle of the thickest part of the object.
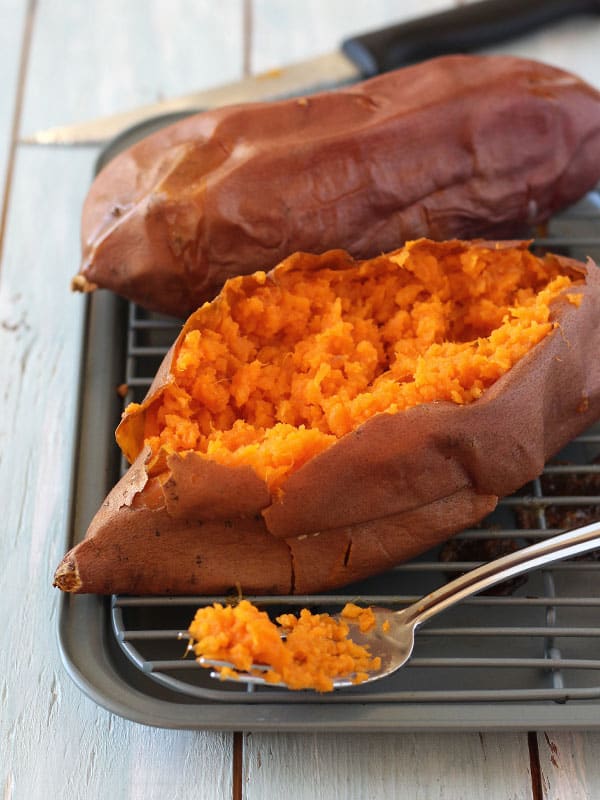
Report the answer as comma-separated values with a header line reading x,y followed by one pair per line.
x,y
535,640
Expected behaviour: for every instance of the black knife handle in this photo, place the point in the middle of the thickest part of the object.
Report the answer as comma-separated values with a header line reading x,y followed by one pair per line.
x,y
458,30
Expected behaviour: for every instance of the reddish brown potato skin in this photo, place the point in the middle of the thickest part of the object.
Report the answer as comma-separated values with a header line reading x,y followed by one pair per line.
x,y
395,487
459,146
146,551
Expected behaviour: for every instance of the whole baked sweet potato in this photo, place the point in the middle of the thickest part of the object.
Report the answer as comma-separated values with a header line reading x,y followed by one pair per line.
x,y
459,146
327,420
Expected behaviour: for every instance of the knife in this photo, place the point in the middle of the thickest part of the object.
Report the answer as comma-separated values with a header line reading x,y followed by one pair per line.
x,y
458,30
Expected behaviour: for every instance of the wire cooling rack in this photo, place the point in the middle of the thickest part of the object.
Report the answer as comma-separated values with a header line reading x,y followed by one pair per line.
x,y
526,656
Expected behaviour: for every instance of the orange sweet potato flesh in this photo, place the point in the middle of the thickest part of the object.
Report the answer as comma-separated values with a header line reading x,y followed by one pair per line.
x,y
459,146
325,421
315,650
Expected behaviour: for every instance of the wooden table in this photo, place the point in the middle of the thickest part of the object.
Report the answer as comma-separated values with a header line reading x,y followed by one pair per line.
x,y
62,61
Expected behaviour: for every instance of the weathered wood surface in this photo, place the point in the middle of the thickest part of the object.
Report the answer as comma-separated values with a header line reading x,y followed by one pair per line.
x,y
570,768
83,60
13,22
387,767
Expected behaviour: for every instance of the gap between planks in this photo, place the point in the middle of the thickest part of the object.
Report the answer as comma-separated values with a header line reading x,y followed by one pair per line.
x,y
537,790
16,119
237,782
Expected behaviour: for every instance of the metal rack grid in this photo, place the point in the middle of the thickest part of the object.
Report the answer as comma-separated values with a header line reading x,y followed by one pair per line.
x,y
538,641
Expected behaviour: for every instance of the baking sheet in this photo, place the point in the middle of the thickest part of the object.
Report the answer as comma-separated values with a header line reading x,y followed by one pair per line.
x,y
456,681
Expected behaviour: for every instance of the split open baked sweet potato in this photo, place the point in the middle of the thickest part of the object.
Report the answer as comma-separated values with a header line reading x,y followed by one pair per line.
x,y
458,146
331,418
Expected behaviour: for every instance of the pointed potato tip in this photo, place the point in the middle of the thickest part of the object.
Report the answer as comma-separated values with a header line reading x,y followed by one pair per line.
x,y
67,576
81,284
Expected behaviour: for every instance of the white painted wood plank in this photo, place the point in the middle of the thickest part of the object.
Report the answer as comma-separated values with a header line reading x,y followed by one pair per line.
x,y
351,766
12,22
386,767
56,739
295,30
423,766
103,56
53,740
571,44
570,765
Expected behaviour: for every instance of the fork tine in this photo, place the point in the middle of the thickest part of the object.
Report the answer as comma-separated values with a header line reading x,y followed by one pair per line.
x,y
247,678
240,676
213,662
257,680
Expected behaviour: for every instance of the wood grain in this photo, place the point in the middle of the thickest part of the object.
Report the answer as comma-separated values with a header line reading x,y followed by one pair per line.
x,y
569,765
52,738
351,766
386,767
13,15
95,58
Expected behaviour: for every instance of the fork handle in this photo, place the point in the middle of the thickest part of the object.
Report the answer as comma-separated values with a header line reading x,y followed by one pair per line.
x,y
565,545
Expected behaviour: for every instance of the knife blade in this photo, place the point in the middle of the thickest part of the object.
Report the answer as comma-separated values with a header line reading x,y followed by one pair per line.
x,y
457,30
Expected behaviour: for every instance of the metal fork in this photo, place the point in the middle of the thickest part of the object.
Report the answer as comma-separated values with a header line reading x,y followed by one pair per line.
x,y
395,644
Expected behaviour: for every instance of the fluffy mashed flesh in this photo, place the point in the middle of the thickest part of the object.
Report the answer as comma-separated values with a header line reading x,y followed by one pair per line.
x,y
307,651
277,369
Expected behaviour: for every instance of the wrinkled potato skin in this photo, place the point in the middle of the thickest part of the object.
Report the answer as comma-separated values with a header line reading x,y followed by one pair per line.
x,y
459,146
393,488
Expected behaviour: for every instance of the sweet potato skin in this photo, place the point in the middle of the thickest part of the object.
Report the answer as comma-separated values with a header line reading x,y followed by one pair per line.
x,y
459,146
147,551
394,487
